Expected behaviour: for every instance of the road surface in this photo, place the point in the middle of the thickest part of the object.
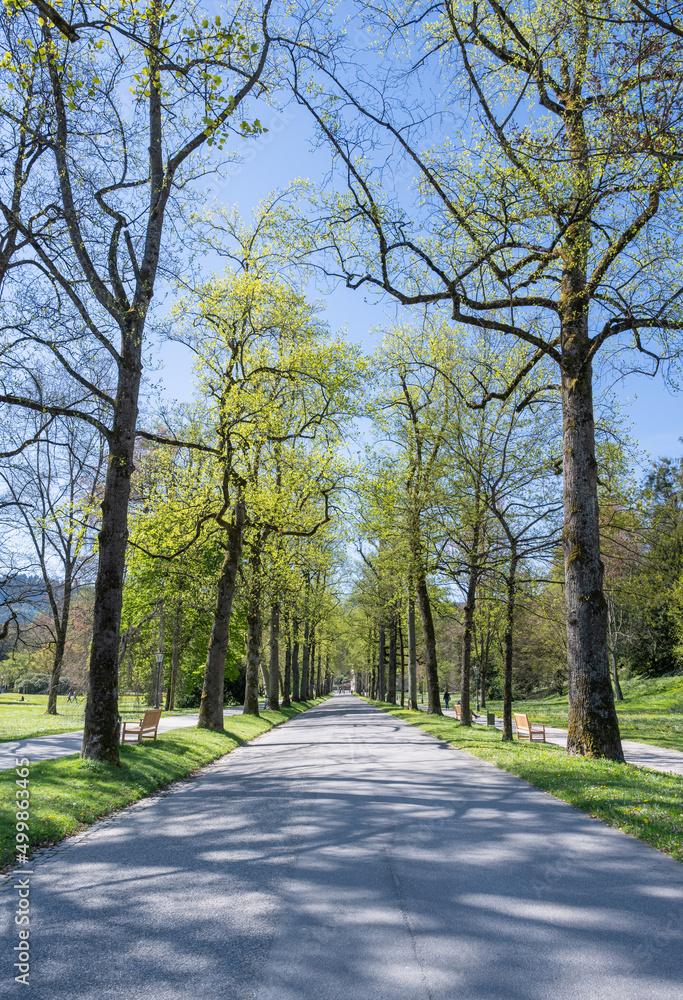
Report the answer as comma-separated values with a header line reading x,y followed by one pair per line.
x,y
349,856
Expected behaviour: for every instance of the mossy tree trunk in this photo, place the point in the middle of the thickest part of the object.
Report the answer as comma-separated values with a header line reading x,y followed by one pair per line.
x,y
211,706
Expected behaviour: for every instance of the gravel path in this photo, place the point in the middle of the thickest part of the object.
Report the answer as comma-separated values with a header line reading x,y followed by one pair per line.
x,y
349,856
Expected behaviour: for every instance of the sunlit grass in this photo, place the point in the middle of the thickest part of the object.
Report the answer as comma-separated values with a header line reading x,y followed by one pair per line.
x,y
651,712
646,804
23,720
68,794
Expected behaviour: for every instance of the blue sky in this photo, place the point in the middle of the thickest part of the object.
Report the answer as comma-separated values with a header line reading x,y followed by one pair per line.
x,y
284,153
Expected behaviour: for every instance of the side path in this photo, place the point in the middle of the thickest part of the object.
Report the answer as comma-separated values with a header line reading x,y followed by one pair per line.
x,y
642,754
62,744
348,856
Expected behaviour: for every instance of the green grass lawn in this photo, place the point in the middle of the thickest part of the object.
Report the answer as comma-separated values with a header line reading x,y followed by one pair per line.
x,y
641,802
22,720
68,794
651,712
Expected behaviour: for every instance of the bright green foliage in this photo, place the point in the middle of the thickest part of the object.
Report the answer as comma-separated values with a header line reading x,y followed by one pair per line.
x,y
177,51
279,394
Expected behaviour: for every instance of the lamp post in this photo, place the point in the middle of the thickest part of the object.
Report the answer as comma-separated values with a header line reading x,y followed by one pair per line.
x,y
159,656
476,682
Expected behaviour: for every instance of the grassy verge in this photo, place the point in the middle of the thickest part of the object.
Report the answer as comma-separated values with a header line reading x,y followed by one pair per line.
x,y
22,720
643,803
651,712
68,794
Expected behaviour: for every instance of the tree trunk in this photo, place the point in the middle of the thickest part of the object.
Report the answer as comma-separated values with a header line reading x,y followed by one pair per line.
x,y
424,604
211,705
57,662
412,656
391,693
593,727
468,625
381,672
158,672
254,634
101,727
403,667
305,662
62,626
508,640
274,665
319,676
287,686
296,695
311,666
368,665
612,636
485,663
175,651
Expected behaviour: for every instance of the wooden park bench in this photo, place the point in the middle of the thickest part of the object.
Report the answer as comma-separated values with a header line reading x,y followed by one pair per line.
x,y
142,729
458,712
532,731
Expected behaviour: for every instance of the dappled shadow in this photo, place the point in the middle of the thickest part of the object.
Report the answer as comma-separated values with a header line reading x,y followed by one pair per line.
x,y
349,855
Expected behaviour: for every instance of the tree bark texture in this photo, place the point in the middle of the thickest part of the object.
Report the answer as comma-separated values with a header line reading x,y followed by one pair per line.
x,y
403,667
484,665
287,686
508,644
381,665
424,604
612,631
593,727
296,696
211,705
391,680
101,730
468,624
61,625
319,676
311,664
175,651
254,635
305,662
274,664
55,676
412,656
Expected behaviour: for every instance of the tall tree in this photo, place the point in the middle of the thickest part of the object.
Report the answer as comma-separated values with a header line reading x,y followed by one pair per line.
x,y
118,167
540,217
278,389
52,491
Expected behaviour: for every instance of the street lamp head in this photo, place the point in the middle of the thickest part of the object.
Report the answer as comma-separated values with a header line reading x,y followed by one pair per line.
x,y
159,657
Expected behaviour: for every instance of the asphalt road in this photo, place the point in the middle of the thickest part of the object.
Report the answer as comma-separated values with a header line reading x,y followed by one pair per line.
x,y
348,856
